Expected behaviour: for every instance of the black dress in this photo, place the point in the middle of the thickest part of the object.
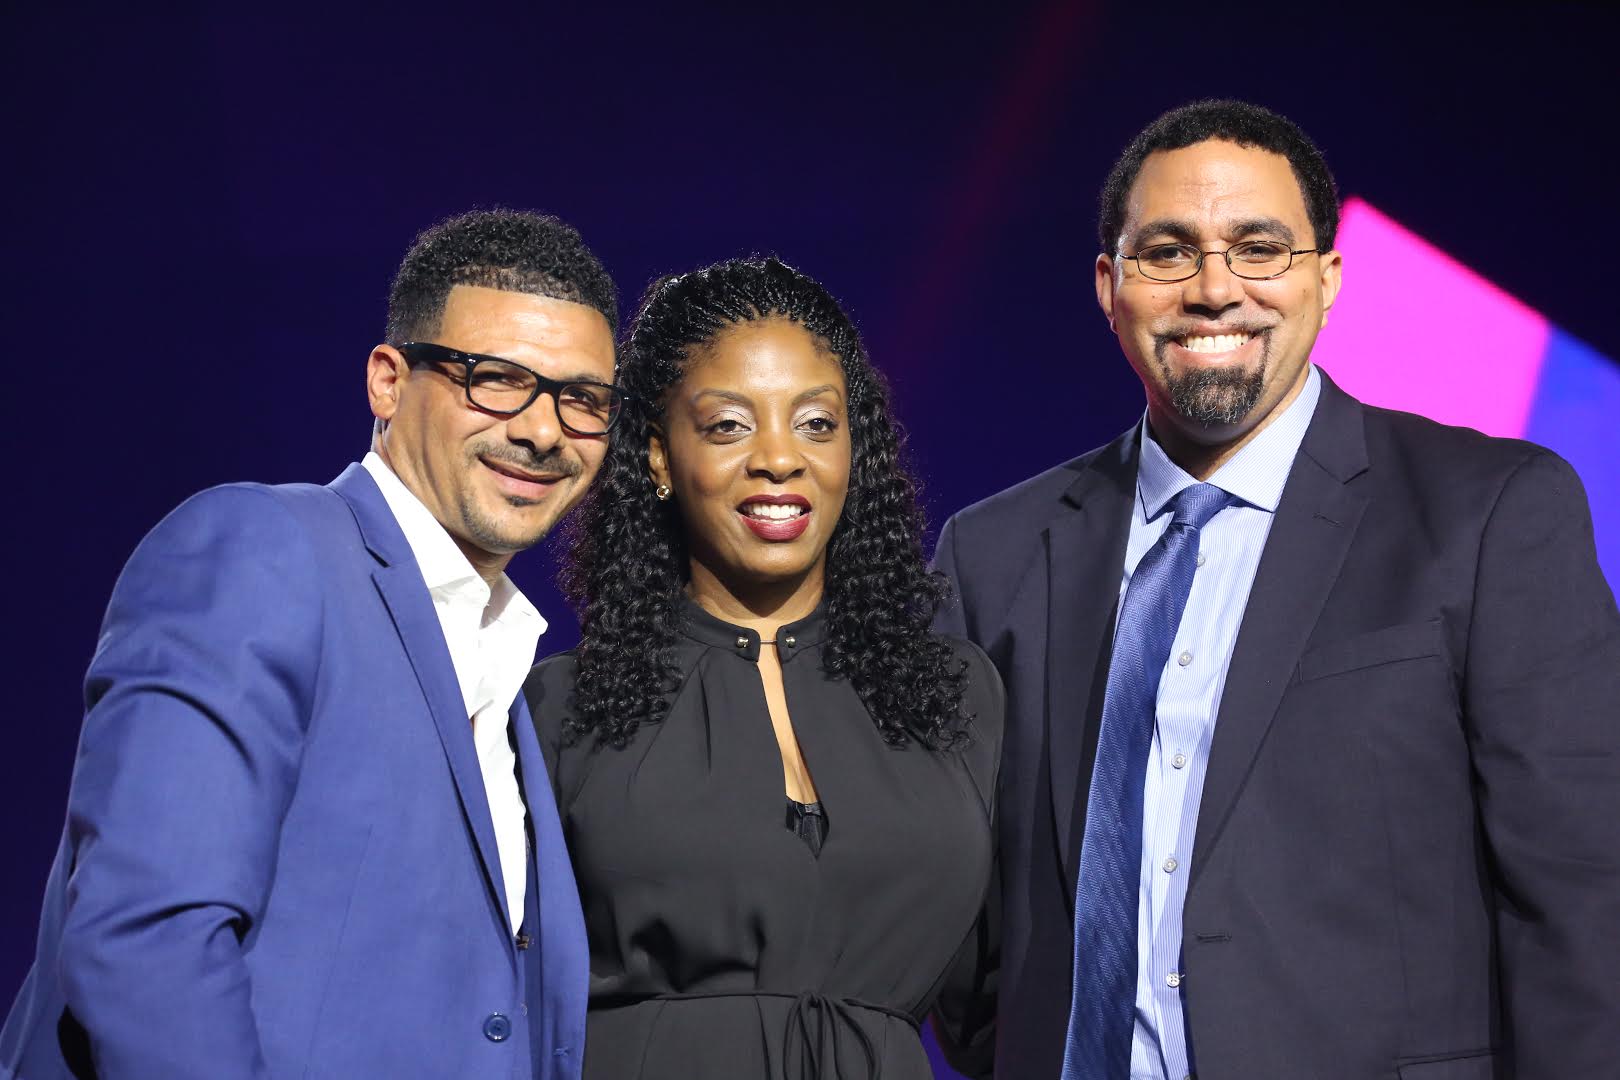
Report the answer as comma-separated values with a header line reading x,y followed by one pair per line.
x,y
722,945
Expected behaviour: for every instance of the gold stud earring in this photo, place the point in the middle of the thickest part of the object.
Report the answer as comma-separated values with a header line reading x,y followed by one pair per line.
x,y
663,492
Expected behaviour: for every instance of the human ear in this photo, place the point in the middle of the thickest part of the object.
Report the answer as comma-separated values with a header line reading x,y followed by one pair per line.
x,y
386,369
657,456
1332,277
1105,288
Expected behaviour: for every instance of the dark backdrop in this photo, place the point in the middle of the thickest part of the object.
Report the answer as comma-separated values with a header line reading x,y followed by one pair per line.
x,y
206,207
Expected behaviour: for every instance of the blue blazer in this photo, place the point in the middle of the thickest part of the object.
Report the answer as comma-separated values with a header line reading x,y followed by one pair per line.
x,y
278,859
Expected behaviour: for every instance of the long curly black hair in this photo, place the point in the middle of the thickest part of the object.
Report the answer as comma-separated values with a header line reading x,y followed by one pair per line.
x,y
628,567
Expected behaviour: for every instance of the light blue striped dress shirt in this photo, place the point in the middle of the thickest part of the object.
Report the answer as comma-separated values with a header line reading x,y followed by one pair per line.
x,y
1189,697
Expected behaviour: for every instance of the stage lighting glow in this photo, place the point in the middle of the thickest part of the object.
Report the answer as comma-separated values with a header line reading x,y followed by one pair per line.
x,y
1414,329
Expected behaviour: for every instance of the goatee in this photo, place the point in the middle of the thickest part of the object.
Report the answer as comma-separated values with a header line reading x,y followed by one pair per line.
x,y
1216,397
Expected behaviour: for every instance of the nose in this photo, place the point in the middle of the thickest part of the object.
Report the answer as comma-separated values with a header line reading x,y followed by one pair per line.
x,y
1214,288
775,455
538,427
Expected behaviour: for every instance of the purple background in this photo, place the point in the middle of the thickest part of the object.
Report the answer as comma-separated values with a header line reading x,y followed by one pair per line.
x,y
206,207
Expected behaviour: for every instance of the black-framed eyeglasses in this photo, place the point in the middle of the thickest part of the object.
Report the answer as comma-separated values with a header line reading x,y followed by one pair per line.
x,y
505,388
1255,260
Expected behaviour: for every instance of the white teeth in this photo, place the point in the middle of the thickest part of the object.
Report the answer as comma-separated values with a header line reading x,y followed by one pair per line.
x,y
1217,343
773,511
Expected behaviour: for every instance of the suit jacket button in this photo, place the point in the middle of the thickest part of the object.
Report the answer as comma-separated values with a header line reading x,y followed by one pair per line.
x,y
497,1028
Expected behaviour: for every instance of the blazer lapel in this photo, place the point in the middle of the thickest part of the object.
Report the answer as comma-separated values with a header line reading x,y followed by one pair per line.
x,y
558,894
1085,557
563,957
409,604
1315,524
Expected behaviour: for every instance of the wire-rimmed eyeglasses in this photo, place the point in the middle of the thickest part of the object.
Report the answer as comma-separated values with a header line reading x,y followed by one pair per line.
x,y
1256,260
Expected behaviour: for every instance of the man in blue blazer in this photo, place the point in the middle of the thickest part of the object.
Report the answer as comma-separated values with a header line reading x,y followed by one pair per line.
x,y
1312,761
310,832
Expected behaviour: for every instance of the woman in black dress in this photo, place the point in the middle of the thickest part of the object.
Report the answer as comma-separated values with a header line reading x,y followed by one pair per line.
x,y
776,782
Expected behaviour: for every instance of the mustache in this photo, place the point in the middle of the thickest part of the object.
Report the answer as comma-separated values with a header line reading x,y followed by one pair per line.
x,y
552,463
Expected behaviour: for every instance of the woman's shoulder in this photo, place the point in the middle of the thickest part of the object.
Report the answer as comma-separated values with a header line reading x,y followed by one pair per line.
x,y
553,675
983,697
984,708
549,691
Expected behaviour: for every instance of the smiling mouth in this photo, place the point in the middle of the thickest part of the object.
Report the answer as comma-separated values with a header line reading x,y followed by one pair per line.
x,y
1213,343
520,474
776,518
764,511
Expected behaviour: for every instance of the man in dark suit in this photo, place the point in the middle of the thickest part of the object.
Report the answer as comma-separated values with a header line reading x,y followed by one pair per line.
x,y
310,832
1312,765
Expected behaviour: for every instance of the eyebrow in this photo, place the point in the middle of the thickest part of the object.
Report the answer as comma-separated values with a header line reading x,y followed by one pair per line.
x,y
1262,226
743,399
575,377
1183,232
815,393
724,395
1177,230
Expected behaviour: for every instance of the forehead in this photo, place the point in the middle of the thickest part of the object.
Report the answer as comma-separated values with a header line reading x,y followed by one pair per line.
x,y
764,357
540,331
1212,184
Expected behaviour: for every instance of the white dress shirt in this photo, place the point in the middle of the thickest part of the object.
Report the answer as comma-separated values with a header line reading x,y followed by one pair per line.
x,y
491,635
1189,698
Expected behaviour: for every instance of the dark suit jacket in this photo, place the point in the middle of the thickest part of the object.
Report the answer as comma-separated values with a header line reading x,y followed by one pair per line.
x,y
1407,859
279,860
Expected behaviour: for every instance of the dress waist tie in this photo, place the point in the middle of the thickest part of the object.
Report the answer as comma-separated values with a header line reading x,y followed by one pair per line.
x,y
816,1019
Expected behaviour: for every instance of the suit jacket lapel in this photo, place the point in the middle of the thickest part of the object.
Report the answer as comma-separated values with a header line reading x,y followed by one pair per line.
x,y
399,582
559,897
1310,536
1085,550
562,959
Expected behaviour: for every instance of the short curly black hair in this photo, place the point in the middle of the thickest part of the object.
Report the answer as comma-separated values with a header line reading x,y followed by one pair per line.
x,y
514,250
627,565
1230,121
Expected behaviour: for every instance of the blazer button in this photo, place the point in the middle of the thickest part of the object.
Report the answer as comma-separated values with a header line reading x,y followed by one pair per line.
x,y
497,1028
789,642
742,643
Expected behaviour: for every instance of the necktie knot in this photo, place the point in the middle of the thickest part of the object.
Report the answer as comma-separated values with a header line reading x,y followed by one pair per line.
x,y
1195,505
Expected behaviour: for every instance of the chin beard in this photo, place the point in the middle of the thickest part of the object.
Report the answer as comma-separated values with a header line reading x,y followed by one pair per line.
x,y
1218,397
490,534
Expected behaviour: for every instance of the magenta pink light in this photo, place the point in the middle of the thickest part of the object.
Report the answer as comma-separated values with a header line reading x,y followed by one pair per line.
x,y
1414,329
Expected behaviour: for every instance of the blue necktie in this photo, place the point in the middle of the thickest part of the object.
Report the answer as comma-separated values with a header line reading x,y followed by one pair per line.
x,y
1103,1013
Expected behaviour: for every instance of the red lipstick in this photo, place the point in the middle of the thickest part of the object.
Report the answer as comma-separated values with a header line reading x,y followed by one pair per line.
x,y
777,529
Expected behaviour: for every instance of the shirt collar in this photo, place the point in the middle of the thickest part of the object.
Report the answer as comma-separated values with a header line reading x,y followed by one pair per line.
x,y
1256,474
445,570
